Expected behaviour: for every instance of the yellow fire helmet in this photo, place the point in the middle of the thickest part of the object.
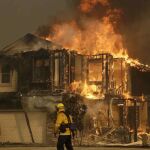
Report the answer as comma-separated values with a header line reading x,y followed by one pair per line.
x,y
60,105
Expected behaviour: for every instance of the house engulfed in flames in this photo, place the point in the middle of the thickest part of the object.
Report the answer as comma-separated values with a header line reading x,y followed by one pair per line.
x,y
33,66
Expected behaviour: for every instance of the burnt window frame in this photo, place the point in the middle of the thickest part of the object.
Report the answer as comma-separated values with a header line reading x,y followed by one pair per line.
x,y
99,64
5,75
41,78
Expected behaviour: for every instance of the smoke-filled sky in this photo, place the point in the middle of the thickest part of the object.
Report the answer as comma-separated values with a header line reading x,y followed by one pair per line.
x,y
18,17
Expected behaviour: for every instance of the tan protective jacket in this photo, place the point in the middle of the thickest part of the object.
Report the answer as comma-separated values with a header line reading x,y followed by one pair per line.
x,y
62,118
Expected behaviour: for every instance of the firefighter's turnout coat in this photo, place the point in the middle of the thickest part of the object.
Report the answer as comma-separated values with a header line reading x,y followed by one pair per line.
x,y
62,118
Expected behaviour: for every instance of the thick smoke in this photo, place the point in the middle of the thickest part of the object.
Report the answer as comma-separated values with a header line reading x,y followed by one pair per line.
x,y
130,18
97,11
135,27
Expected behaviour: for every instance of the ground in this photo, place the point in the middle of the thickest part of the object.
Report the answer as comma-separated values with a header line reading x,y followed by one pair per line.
x,y
77,148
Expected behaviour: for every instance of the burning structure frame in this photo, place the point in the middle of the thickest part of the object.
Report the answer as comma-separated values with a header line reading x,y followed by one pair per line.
x,y
46,71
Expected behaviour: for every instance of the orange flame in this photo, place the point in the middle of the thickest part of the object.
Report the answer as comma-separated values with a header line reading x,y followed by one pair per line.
x,y
98,36
92,36
86,90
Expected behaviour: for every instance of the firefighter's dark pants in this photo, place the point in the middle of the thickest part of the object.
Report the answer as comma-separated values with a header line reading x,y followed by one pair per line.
x,y
64,140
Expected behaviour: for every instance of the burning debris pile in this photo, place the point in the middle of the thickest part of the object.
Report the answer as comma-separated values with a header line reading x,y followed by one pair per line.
x,y
93,123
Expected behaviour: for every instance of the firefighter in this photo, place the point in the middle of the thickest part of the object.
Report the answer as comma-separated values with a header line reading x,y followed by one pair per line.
x,y
62,127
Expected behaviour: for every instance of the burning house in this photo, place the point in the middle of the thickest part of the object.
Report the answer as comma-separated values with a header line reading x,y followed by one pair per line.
x,y
80,59
50,67
34,68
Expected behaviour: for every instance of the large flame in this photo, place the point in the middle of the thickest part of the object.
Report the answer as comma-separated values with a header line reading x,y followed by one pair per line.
x,y
86,90
89,35
92,35
132,62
